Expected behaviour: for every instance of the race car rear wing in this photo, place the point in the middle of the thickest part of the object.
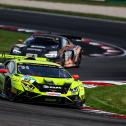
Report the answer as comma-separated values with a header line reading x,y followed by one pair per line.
x,y
74,38
77,40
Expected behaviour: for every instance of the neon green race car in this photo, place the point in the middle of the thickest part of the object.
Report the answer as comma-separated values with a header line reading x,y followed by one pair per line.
x,y
39,80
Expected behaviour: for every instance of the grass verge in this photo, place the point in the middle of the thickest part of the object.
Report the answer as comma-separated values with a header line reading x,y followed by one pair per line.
x,y
64,12
106,3
8,38
111,99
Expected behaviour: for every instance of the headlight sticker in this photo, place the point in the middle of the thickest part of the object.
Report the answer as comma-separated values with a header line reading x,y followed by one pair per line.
x,y
53,93
28,79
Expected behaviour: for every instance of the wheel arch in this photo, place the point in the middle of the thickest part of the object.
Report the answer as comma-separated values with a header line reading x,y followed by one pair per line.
x,y
6,79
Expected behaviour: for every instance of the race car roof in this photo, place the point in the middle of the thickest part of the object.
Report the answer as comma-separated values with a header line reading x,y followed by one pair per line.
x,y
46,35
51,36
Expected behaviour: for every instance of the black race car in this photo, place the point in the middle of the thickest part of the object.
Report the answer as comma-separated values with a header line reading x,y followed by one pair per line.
x,y
58,48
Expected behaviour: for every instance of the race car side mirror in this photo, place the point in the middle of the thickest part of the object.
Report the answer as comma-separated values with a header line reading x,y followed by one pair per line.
x,y
3,70
76,76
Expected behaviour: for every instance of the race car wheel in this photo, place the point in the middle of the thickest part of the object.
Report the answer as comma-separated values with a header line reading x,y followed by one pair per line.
x,y
78,102
7,90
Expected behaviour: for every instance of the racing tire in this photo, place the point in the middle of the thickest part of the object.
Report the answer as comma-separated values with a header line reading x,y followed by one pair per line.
x,y
79,103
7,90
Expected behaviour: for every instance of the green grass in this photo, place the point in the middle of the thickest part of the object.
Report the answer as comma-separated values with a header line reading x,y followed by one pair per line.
x,y
8,38
121,3
64,12
111,99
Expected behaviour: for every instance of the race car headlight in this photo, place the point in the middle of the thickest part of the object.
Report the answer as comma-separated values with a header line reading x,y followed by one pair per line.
x,y
74,90
52,54
16,50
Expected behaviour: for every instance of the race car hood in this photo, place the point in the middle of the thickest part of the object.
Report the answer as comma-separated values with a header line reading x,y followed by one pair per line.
x,y
37,50
46,80
55,81
40,50
43,47
45,84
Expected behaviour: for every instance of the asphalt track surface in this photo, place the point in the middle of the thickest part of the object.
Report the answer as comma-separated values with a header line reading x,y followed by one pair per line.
x,y
21,114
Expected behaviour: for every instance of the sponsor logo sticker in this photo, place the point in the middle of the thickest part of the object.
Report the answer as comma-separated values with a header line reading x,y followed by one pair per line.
x,y
53,93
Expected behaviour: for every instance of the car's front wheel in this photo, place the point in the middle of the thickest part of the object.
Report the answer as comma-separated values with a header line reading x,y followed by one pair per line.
x,y
79,102
7,90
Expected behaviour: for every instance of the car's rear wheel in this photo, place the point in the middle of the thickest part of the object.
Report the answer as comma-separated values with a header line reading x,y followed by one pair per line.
x,y
7,90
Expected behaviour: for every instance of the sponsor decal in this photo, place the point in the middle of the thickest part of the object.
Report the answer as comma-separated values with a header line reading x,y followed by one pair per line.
x,y
51,87
53,93
27,79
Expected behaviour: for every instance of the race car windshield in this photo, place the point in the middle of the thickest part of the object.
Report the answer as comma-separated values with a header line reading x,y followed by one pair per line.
x,y
42,41
43,71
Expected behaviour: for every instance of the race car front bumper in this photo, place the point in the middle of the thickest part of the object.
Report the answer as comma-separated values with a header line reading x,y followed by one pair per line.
x,y
37,98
